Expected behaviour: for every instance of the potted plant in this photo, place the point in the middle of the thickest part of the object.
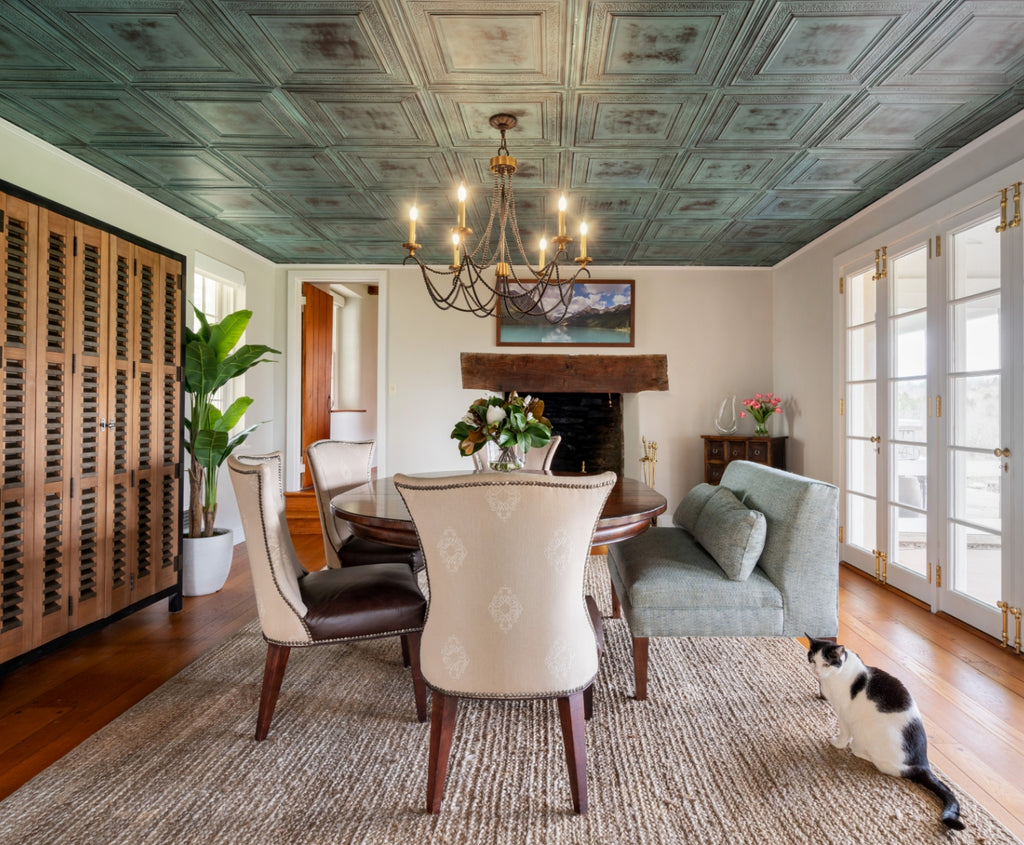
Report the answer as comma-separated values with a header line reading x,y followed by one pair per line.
x,y
211,361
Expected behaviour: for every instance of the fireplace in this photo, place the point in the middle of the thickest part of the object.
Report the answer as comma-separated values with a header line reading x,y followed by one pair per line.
x,y
583,398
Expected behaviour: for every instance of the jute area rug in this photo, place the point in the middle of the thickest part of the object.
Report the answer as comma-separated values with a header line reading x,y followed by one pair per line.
x,y
731,747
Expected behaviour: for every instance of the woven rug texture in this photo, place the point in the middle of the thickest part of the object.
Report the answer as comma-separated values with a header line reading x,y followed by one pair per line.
x,y
731,747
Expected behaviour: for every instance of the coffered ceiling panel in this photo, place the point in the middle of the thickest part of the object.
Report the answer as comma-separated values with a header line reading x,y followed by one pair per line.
x,y
710,132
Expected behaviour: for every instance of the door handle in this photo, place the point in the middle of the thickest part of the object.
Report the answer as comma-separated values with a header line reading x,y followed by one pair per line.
x,y
1001,453
876,439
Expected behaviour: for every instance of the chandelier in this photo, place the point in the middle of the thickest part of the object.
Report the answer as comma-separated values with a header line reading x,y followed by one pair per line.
x,y
483,280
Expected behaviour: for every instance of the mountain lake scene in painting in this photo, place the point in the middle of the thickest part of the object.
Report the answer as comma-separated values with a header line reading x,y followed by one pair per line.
x,y
600,314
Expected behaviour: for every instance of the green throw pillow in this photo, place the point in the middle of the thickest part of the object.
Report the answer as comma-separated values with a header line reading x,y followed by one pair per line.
x,y
731,533
690,507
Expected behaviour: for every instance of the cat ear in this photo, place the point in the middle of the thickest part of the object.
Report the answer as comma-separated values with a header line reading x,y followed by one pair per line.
x,y
835,653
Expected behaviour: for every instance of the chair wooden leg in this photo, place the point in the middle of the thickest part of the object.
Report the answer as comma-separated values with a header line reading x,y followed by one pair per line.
x,y
405,650
616,607
640,648
570,711
588,703
273,674
411,647
442,726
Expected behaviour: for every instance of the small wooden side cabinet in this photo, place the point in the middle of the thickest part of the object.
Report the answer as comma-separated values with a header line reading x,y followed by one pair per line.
x,y
720,449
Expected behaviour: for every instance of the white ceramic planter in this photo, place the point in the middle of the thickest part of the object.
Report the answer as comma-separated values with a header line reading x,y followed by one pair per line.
x,y
206,562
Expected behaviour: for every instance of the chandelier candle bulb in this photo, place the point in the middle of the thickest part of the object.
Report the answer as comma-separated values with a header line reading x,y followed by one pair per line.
x,y
543,246
462,206
583,240
562,205
413,214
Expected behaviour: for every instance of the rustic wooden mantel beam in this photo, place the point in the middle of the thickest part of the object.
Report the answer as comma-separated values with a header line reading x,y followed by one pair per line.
x,y
565,373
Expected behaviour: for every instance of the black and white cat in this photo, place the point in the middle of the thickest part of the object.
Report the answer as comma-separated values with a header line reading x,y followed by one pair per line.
x,y
878,719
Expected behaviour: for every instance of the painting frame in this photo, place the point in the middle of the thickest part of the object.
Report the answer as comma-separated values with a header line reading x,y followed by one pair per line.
x,y
602,293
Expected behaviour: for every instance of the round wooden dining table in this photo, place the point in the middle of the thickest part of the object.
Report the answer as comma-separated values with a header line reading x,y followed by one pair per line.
x,y
376,510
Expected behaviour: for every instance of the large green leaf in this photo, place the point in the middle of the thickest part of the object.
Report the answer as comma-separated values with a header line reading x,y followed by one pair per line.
x,y
208,448
225,334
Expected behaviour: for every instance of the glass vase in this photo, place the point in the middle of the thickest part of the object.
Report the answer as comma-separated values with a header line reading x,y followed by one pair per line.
x,y
761,428
504,458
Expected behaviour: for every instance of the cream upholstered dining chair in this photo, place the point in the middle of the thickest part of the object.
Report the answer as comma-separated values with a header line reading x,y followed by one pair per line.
x,y
336,466
539,457
299,608
507,619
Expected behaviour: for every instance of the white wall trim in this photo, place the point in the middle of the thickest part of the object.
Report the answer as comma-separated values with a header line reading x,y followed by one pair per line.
x,y
293,351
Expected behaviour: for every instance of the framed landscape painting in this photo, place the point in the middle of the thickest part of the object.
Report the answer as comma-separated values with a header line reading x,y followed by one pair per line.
x,y
602,313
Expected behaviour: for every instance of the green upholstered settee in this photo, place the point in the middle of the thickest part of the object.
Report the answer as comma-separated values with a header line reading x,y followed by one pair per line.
x,y
756,556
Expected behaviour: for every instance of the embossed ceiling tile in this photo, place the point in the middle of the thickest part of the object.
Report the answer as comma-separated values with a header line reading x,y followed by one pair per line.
x,y
899,120
635,119
153,40
27,52
407,170
781,120
597,203
659,42
232,202
464,42
538,117
742,254
604,230
331,204
182,168
685,230
694,203
534,169
99,116
684,253
796,204
980,44
348,117
620,169
312,41
347,231
730,168
995,111
289,168
828,42
770,231
841,169
233,115
276,229
613,253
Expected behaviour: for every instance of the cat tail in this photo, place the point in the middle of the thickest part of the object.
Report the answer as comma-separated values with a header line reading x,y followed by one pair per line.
x,y
951,807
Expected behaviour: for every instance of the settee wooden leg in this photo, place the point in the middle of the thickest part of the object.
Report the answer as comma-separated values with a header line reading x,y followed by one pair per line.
x,y
616,607
273,674
640,647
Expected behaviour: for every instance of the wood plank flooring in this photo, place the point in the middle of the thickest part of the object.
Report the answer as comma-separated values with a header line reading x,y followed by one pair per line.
x,y
970,690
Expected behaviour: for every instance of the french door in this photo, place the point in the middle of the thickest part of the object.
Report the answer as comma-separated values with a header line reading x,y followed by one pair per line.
x,y
932,374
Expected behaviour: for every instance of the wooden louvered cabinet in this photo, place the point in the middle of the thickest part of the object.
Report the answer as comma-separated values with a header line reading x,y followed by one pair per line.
x,y
91,424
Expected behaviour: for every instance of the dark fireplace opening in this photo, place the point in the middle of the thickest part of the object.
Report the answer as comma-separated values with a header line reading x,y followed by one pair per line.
x,y
590,425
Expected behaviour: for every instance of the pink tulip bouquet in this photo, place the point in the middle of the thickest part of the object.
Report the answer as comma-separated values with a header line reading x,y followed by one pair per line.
x,y
762,406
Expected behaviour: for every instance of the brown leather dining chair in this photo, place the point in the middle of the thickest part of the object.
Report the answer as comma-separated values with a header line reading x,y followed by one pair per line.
x,y
505,555
298,608
336,466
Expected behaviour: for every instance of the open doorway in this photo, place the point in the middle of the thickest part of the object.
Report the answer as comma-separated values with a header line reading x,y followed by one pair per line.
x,y
333,365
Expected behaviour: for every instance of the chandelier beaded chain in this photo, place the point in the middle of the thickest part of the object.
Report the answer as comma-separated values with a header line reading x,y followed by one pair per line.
x,y
539,291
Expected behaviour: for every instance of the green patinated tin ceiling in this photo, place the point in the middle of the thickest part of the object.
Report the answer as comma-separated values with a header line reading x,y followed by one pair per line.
x,y
712,132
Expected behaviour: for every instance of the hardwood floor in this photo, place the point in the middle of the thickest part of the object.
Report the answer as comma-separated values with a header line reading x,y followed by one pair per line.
x,y
970,690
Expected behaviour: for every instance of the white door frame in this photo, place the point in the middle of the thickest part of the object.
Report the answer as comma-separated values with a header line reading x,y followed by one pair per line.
x,y
293,459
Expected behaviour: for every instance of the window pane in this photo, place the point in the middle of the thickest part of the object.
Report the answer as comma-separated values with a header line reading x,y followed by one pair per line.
x,y
910,408
860,410
860,299
978,569
861,354
975,409
911,535
976,259
910,464
860,467
860,522
910,346
909,283
977,488
975,332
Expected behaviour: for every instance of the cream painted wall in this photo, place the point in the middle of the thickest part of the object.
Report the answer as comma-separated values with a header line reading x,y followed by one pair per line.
x,y
806,284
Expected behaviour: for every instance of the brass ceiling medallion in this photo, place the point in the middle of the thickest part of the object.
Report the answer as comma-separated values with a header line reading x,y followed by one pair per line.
x,y
543,290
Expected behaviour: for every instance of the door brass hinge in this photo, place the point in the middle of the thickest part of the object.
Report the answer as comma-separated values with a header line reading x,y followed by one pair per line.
x,y
938,406
929,572
841,533
1004,607
842,407
938,246
842,285
938,575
